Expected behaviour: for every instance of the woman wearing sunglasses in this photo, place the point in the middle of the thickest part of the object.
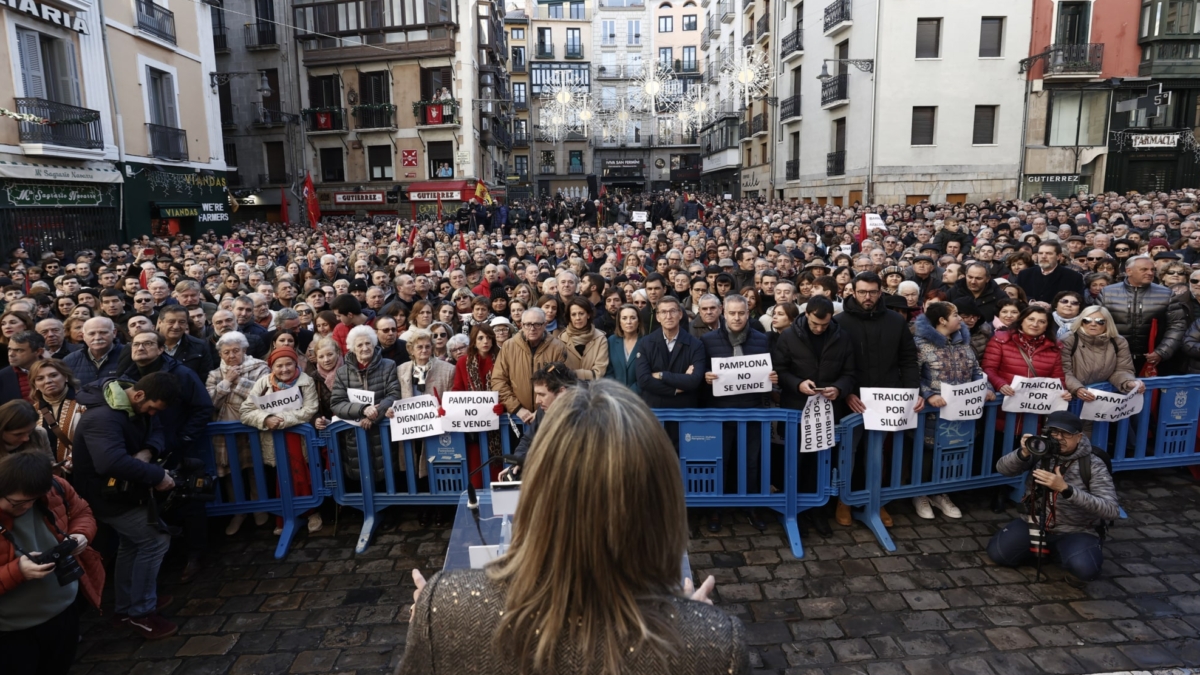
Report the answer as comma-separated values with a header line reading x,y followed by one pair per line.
x,y
1093,352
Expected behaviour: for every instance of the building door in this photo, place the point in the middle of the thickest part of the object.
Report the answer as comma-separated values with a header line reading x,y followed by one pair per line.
x,y
839,135
1072,23
1151,176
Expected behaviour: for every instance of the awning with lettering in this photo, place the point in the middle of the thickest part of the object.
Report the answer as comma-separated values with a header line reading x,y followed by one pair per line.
x,y
87,172
176,209
447,190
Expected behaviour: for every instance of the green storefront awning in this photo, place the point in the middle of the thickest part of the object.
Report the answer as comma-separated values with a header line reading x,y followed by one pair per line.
x,y
177,209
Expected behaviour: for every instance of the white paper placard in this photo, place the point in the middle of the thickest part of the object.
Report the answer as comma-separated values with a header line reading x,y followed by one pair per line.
x,y
363,396
470,411
742,375
639,216
1037,395
816,424
284,399
505,497
1112,407
889,409
415,417
964,401
482,555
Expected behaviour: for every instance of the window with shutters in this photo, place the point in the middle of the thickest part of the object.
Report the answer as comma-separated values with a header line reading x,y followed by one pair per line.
x,y
161,89
373,88
435,80
324,92
332,168
984,132
991,37
379,160
48,67
276,163
923,118
929,38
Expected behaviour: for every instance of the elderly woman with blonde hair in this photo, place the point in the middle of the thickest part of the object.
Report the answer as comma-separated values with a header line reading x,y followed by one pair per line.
x,y
1093,352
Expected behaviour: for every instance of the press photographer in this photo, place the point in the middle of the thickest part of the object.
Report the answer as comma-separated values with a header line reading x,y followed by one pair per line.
x,y
45,528
1069,495
116,443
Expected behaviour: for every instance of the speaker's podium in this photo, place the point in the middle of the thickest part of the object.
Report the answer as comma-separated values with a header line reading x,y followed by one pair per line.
x,y
483,534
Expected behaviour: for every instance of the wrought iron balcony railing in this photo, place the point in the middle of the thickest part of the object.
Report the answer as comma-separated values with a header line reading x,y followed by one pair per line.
x,y
168,142
156,20
70,126
835,163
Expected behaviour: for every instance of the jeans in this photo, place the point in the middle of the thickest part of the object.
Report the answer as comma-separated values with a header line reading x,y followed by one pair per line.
x,y
1077,552
142,549
44,649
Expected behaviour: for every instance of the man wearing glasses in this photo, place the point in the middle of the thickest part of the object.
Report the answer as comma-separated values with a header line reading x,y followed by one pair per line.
x,y
390,343
670,362
523,354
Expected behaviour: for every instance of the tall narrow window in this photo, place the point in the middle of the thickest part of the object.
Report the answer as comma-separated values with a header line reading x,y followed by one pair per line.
x,y
635,32
922,124
332,169
929,38
991,36
162,98
666,24
985,125
48,67
379,160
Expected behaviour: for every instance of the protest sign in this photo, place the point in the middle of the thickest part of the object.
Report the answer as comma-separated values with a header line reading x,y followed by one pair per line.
x,y
816,425
964,401
470,410
1111,407
363,396
284,399
640,216
742,375
1037,395
889,409
415,417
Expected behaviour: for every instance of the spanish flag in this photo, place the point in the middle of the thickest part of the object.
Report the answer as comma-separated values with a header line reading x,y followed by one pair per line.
x,y
482,193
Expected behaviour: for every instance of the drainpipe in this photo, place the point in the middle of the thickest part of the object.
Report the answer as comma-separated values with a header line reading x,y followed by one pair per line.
x,y
112,91
867,187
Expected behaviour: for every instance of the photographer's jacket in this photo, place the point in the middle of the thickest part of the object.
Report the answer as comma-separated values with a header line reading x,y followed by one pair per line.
x,y
1089,505
106,439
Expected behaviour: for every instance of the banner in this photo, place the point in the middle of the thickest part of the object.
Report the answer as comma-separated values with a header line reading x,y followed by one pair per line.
x,y
1111,407
742,375
284,399
1038,395
415,417
816,425
470,411
889,409
311,207
964,401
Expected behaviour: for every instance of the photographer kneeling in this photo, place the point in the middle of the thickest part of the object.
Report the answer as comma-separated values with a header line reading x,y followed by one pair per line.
x,y
45,527
1065,502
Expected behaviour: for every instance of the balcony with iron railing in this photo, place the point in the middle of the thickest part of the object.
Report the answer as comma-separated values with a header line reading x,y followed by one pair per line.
x,y
573,51
759,124
835,91
837,16
545,50
1074,61
619,72
748,38
744,131
437,114
835,163
70,126
157,21
792,44
518,66
547,169
520,139
261,35
575,169
714,30
221,42
791,169
521,176
266,179
324,120
521,105
374,116
725,11
686,67
270,116
502,136
168,142
764,26
748,6
563,12
789,108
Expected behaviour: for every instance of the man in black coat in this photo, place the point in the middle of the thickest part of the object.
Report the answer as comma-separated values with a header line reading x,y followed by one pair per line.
x,y
1049,278
977,284
24,350
735,338
814,356
670,362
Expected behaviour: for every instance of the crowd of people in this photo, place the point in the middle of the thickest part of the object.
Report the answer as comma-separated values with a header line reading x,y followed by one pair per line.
x,y
115,360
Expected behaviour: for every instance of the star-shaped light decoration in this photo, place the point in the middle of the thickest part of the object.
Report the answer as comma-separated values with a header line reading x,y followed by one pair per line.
x,y
695,110
747,72
561,109
654,88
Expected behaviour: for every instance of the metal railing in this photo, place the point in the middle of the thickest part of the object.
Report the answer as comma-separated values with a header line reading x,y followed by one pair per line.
x,y
155,20
518,67
791,169
575,169
274,179
835,163
792,43
725,11
759,125
168,142
714,28
1075,59
371,116
573,51
545,50
325,119
449,114
70,126
501,136
260,35
744,130
837,12
520,139
687,66
789,107
764,25
220,42
748,39
747,5
547,169
835,88
270,117
521,105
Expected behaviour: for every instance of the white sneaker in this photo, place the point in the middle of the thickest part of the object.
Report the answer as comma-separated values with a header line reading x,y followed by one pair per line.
x,y
260,519
277,531
235,524
921,504
315,523
947,507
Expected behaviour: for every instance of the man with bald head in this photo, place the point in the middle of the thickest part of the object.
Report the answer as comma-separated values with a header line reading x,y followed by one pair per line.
x,y
98,360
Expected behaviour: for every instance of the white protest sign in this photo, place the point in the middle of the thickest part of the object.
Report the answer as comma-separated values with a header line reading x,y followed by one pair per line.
x,y
728,196
742,375
816,424
889,409
640,216
1038,395
284,399
1111,407
363,396
873,221
964,401
415,417
470,410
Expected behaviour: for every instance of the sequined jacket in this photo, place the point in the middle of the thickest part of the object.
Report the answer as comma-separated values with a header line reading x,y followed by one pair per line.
x,y
458,611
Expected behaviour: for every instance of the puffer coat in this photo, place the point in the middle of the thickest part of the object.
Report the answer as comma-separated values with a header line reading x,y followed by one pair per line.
x,y
1089,505
1002,361
1135,308
254,417
380,378
1089,359
948,359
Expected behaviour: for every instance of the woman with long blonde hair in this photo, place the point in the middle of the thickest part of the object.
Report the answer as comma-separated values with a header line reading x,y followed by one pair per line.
x,y
592,580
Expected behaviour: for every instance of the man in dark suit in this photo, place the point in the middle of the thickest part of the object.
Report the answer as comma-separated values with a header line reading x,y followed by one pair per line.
x,y
671,362
24,350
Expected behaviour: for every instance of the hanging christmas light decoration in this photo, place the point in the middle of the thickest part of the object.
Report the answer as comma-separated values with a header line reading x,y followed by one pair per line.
x,y
562,99
695,109
657,89
748,73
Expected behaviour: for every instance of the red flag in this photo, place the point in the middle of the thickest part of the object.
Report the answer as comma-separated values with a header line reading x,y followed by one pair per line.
x,y
439,208
310,201
862,229
283,210
619,256
462,243
325,243
412,236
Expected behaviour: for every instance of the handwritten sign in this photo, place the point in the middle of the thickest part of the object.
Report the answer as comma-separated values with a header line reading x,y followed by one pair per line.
x,y
964,401
816,425
1111,407
640,216
742,375
1038,395
415,417
284,399
889,409
363,396
470,410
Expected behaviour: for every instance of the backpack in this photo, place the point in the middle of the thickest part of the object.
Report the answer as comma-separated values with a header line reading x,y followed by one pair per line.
x,y
1085,472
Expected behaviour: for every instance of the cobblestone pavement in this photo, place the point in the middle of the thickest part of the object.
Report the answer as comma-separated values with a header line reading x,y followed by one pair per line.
x,y
934,606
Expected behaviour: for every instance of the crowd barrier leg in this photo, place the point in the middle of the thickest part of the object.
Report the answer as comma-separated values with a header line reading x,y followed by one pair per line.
x,y
869,515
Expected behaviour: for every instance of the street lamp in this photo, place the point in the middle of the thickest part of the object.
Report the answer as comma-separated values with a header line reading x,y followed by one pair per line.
x,y
865,65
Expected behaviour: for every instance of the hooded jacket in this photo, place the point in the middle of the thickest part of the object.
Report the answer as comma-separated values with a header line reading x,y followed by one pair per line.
x,y
1090,504
947,359
884,352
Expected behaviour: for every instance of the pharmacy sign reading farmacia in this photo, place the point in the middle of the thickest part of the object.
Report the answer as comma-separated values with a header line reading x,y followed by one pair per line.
x,y
58,17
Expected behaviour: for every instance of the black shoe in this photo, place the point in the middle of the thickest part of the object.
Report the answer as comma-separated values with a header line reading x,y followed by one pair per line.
x,y
190,570
439,518
424,518
756,520
820,523
999,502
714,522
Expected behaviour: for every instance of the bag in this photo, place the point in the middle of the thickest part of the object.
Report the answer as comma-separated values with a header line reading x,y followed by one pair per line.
x,y
1085,473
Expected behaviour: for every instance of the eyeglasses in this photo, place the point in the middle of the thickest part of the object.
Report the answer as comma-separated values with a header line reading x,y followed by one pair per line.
x,y
1096,259
1068,301
1095,322
533,324
20,502
441,335
1122,249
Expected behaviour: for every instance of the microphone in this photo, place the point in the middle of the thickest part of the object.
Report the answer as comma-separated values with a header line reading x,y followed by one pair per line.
x,y
472,498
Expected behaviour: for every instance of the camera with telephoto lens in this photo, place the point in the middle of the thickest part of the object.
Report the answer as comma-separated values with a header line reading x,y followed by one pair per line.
x,y
192,482
1042,446
66,568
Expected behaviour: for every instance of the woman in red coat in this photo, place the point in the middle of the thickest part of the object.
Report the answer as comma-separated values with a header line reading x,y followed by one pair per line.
x,y
473,372
1028,351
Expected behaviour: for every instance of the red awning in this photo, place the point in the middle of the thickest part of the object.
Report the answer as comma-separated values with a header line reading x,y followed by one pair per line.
x,y
447,190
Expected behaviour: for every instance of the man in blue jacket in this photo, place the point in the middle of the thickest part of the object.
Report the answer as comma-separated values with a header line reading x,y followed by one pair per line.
x,y
736,338
119,438
670,362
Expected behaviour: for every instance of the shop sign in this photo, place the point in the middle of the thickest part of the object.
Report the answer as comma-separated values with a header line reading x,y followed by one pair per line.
x,y
28,194
1052,178
1154,140
49,14
750,179
179,211
358,198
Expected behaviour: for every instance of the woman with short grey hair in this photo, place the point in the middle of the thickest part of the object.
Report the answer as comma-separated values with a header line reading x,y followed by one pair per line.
x,y
228,385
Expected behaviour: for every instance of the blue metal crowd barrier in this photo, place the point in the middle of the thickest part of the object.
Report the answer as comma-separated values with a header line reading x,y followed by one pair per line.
x,y
1146,442
285,503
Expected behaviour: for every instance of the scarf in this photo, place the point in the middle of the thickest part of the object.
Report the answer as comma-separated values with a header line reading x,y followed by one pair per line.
x,y
420,373
577,337
277,384
329,375
737,339
1027,344
483,384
